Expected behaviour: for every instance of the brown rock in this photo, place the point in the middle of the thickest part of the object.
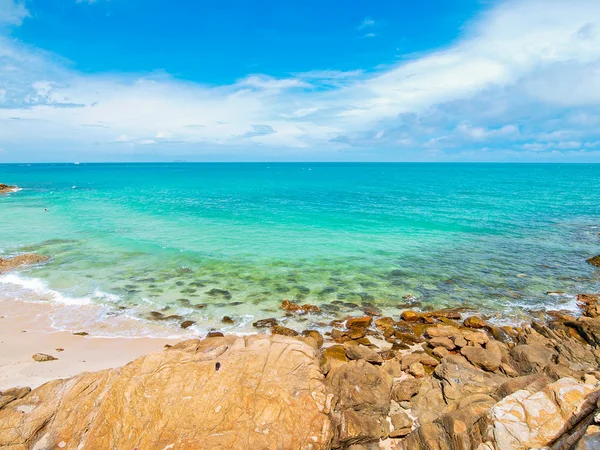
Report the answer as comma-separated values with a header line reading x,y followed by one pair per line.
x,y
474,322
460,341
265,323
362,402
440,352
17,392
483,358
406,389
187,323
214,334
81,333
310,309
290,307
42,357
278,329
594,261
476,338
589,303
531,358
416,370
332,357
460,379
384,323
315,335
359,322
21,260
6,188
227,320
270,387
410,316
443,342
401,424
355,352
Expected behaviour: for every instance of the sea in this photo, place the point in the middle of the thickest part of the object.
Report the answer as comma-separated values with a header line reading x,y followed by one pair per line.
x,y
204,241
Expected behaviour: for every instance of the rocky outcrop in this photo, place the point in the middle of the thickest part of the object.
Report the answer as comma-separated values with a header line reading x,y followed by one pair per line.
x,y
594,260
9,264
432,383
241,393
5,188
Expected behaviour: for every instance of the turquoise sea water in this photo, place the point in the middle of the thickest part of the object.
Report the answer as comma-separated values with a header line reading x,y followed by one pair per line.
x,y
167,237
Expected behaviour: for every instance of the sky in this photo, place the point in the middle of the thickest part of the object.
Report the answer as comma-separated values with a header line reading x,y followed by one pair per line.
x,y
328,80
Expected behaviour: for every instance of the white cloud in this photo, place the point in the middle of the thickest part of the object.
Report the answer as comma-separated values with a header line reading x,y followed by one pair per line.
x,y
12,12
366,23
523,73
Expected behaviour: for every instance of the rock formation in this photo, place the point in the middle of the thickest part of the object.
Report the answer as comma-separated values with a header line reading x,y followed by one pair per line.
x,y
9,264
425,382
5,188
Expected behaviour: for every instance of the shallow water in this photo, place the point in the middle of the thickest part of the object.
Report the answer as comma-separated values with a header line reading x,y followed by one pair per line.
x,y
169,237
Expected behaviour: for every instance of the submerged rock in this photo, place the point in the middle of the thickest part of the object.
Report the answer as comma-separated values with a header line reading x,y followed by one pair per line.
x,y
594,261
219,292
9,264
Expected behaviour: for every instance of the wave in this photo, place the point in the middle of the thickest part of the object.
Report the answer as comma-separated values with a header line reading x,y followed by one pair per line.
x,y
40,288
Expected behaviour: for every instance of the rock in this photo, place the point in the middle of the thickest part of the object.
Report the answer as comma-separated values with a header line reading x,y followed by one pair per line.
x,y
361,403
443,342
416,370
460,379
588,328
290,307
269,387
17,392
406,389
384,323
6,188
187,323
401,424
533,420
589,303
227,320
482,358
594,261
81,333
532,383
410,316
474,322
460,341
315,335
278,329
309,309
333,357
42,357
9,264
531,358
359,322
265,323
590,440
440,352
214,334
476,338
220,292
355,352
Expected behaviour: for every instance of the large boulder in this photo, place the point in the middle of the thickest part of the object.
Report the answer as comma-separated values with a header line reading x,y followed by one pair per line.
x,y
21,260
230,392
525,420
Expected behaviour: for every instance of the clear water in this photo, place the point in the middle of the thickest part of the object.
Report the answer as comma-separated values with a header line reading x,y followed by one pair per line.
x,y
136,238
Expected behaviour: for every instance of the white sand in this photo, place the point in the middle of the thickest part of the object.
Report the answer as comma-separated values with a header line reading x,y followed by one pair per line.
x,y
26,329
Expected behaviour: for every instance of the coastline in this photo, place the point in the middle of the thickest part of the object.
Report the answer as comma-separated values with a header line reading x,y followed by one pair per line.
x,y
26,329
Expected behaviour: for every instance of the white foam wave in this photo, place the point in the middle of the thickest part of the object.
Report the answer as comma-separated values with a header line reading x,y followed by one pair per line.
x,y
41,289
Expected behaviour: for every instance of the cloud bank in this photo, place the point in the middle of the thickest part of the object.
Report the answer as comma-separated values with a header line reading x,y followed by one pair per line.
x,y
521,84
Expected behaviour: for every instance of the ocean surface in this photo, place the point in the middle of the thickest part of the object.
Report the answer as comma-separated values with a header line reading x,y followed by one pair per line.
x,y
205,241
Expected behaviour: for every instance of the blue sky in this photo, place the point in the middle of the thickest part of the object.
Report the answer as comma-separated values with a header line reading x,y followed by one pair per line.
x,y
144,80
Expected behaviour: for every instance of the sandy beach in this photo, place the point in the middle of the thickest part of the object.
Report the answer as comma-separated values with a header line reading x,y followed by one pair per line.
x,y
26,329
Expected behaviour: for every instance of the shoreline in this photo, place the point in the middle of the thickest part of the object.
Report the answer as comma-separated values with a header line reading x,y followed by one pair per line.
x,y
26,329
